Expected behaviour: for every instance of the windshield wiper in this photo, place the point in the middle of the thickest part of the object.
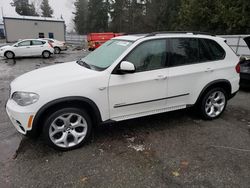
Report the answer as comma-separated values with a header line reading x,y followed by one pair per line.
x,y
83,63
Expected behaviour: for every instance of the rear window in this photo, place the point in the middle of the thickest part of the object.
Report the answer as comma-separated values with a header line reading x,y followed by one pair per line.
x,y
216,52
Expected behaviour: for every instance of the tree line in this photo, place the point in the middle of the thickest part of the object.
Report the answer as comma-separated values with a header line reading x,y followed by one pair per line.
x,y
141,16
24,8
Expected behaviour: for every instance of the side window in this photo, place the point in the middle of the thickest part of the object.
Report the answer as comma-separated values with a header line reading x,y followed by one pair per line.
x,y
37,42
184,51
41,35
204,54
24,43
150,55
215,50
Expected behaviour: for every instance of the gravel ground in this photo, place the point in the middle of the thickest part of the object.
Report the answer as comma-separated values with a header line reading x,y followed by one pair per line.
x,y
174,149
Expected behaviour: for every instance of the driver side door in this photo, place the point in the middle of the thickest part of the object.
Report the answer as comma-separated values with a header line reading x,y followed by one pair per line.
x,y
23,48
143,92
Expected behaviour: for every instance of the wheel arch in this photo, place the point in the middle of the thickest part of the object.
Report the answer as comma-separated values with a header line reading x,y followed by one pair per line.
x,y
80,102
225,84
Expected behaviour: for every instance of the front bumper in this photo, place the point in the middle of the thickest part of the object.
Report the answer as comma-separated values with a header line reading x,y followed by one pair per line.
x,y
20,118
1,54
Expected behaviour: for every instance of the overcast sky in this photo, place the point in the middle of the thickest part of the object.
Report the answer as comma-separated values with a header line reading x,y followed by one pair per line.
x,y
60,7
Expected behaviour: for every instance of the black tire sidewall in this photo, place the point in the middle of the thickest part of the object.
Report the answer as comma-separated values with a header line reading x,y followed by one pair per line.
x,y
13,55
59,50
203,103
57,113
44,55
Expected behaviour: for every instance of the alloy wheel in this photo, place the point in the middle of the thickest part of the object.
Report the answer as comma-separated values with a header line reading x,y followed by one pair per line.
x,y
215,104
68,130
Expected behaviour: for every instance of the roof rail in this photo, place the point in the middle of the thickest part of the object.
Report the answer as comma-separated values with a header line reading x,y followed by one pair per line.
x,y
178,32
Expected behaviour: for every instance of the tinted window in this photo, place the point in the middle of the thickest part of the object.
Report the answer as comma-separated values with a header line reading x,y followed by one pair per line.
x,y
215,50
24,43
204,54
150,55
183,51
37,42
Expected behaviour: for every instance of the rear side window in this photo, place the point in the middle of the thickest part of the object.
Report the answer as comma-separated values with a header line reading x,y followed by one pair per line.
x,y
36,42
184,51
215,50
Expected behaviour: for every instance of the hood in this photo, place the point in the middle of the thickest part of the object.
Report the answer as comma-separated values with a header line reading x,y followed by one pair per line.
x,y
5,47
51,75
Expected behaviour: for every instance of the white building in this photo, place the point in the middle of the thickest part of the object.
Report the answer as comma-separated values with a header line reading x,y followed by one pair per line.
x,y
26,27
2,32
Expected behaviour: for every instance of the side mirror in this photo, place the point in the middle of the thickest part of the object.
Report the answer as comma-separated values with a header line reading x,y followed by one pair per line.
x,y
16,45
126,67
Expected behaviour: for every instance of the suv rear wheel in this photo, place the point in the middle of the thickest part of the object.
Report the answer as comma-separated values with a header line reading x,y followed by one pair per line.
x,y
67,129
213,103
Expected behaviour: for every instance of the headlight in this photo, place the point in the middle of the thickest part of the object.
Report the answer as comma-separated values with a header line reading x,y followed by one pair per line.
x,y
25,98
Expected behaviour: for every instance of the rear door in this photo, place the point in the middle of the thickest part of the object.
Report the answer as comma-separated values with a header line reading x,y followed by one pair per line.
x,y
37,47
191,68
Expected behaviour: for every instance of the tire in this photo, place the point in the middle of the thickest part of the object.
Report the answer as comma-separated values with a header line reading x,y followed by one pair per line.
x,y
46,54
60,132
9,55
213,104
57,50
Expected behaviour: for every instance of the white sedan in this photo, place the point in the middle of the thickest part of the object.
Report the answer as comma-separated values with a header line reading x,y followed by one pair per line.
x,y
28,47
58,45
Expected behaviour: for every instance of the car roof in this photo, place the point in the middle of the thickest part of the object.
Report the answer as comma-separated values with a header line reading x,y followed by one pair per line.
x,y
32,39
136,37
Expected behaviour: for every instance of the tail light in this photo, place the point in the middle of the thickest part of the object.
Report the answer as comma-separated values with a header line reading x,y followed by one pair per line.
x,y
50,44
237,68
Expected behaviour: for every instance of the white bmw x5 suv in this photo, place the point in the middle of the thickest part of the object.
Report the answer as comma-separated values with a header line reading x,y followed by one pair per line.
x,y
127,77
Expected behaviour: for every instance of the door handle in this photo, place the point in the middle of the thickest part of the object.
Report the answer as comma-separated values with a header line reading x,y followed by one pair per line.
x,y
161,77
209,70
27,47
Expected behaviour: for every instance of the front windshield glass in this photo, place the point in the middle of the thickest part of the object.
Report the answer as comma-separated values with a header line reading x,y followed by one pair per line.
x,y
106,54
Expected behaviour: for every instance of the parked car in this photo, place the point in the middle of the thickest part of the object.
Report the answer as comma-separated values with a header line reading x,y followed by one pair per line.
x,y
58,45
95,40
245,72
28,47
127,77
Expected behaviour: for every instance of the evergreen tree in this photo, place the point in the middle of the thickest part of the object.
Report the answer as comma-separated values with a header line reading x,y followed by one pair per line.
x,y
80,18
23,7
97,16
47,11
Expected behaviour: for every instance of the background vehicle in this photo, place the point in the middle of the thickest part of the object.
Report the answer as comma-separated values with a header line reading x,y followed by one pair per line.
x,y
58,45
146,75
95,40
28,47
245,72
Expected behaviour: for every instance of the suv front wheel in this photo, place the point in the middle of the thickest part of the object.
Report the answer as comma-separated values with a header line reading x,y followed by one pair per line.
x,y
67,129
213,103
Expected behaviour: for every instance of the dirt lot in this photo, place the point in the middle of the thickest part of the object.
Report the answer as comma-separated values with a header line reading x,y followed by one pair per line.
x,y
173,149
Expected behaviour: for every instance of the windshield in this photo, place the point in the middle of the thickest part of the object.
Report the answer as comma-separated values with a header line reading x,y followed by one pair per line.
x,y
105,55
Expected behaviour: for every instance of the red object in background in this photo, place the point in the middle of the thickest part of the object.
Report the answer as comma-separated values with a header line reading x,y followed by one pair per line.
x,y
95,40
